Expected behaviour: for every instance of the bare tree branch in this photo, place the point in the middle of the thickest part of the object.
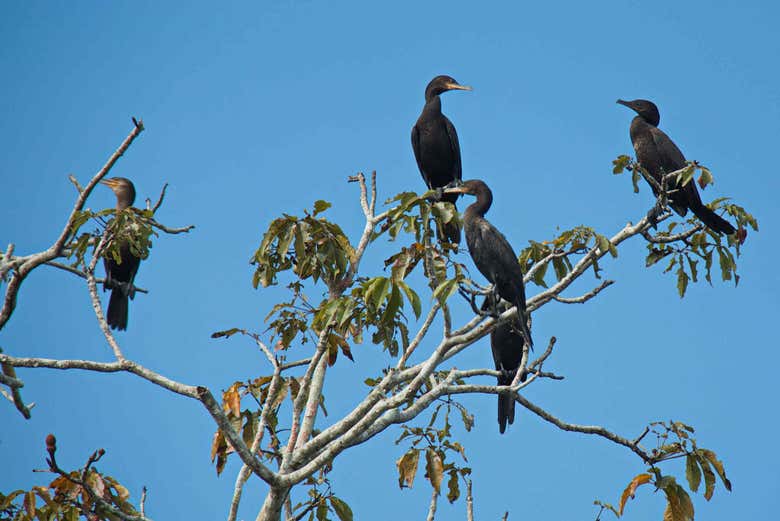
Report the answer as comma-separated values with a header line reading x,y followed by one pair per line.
x,y
432,509
587,296
587,429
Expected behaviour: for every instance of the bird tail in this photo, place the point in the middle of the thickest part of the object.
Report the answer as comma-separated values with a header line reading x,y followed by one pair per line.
x,y
506,405
712,220
506,412
116,316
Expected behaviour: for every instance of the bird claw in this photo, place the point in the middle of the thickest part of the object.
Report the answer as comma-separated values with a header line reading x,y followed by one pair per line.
x,y
654,213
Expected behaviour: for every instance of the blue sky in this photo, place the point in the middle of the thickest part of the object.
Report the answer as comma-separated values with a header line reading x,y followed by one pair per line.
x,y
254,110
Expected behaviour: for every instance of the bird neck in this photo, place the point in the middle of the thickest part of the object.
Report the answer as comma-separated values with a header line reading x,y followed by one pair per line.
x,y
482,204
121,204
433,104
639,126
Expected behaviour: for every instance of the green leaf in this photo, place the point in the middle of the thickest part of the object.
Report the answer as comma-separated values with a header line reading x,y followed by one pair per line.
x,y
705,178
684,177
376,291
445,290
320,206
341,508
655,255
603,243
412,296
226,334
322,511
692,472
620,164
635,177
682,281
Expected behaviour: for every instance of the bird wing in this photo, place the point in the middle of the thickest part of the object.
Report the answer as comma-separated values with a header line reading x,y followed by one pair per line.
x,y
416,148
670,157
455,144
673,159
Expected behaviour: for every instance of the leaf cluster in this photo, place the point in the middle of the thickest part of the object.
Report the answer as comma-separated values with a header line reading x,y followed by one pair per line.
x,y
698,246
311,246
559,251
245,420
675,440
321,502
66,499
129,228
437,444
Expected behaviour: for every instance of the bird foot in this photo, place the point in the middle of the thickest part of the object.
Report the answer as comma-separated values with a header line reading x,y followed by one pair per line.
x,y
654,213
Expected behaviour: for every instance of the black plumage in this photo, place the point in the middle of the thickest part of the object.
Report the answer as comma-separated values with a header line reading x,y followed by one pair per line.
x,y
492,253
120,275
658,154
436,147
506,343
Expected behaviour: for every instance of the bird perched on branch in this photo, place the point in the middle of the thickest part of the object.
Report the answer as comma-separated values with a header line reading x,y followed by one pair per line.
x,y
506,343
492,253
436,147
120,275
658,154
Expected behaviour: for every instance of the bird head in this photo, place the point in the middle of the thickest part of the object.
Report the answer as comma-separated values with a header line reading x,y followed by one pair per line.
x,y
646,110
123,189
471,187
441,84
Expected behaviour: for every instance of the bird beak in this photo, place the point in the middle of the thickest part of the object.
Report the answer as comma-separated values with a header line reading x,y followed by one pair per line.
x,y
111,183
625,103
456,190
457,86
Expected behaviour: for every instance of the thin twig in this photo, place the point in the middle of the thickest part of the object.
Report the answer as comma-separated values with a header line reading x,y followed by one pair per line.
x,y
143,501
587,296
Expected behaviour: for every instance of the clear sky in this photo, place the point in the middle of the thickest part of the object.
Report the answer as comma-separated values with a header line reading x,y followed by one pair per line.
x,y
255,109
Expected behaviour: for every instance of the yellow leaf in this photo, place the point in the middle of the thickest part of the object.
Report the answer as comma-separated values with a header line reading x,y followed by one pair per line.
x,y
232,400
630,490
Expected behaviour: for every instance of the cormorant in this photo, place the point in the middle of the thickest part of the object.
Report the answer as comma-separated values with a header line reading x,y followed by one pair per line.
x,y
506,343
436,146
658,154
492,253
120,276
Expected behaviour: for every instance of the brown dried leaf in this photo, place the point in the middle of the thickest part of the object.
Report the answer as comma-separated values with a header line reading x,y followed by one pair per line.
x,y
232,400
407,468
434,468
630,490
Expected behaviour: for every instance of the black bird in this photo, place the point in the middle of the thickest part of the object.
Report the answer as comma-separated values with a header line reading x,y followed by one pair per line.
x,y
436,146
120,276
658,154
506,343
492,253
